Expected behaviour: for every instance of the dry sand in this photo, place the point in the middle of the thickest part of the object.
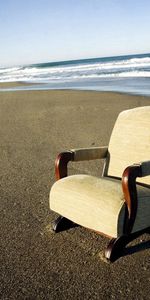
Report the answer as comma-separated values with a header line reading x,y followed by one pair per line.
x,y
35,263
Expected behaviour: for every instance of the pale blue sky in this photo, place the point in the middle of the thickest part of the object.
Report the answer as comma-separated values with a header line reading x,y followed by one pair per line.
x,y
51,30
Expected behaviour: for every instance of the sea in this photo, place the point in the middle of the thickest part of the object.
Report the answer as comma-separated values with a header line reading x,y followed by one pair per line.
x,y
125,74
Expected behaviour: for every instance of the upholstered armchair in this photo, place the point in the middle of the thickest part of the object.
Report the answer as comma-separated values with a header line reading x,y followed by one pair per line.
x,y
118,203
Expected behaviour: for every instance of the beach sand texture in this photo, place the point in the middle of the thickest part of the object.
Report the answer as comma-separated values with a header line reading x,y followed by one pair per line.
x,y
35,263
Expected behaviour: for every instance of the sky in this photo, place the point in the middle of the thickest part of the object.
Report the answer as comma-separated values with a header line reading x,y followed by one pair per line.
x,y
33,31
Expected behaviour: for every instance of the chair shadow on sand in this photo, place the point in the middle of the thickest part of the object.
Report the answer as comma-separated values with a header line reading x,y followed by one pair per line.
x,y
144,245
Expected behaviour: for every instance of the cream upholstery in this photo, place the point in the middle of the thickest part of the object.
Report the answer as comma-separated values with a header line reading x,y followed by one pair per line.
x,y
97,203
142,219
88,201
90,153
130,141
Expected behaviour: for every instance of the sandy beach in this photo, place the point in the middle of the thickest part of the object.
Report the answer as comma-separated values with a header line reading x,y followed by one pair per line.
x,y
35,263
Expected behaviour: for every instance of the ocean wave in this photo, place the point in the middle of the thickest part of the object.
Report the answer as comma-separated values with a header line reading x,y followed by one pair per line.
x,y
84,69
8,70
122,64
57,79
141,60
115,75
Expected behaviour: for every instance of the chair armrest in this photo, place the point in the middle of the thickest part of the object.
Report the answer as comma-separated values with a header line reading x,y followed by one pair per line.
x,y
130,194
90,153
77,155
145,168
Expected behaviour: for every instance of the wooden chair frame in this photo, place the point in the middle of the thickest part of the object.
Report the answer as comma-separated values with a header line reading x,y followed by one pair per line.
x,y
116,245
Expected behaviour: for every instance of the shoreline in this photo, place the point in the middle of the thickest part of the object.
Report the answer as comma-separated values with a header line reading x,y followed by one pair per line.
x,y
28,86
24,91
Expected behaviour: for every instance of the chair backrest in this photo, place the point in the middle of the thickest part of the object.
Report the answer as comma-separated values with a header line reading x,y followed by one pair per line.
x,y
130,141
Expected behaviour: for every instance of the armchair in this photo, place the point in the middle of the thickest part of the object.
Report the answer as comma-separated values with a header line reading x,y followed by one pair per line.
x,y
118,203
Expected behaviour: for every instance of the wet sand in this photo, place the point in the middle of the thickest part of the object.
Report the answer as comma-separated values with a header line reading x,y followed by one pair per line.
x,y
35,263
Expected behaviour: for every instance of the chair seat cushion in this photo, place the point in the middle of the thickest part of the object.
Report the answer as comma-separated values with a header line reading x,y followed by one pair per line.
x,y
95,203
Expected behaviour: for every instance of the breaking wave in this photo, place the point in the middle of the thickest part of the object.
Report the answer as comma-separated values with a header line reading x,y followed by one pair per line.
x,y
115,67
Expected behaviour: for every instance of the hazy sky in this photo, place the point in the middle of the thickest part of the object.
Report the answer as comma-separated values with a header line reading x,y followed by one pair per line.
x,y
50,30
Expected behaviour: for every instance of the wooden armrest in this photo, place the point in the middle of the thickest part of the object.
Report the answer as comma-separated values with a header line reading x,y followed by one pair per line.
x,y
130,194
77,155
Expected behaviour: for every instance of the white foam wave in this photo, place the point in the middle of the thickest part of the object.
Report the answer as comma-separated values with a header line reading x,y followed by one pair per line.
x,y
115,75
8,70
77,77
132,67
141,60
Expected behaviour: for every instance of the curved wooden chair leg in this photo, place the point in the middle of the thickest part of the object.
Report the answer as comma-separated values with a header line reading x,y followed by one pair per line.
x,y
61,224
115,248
